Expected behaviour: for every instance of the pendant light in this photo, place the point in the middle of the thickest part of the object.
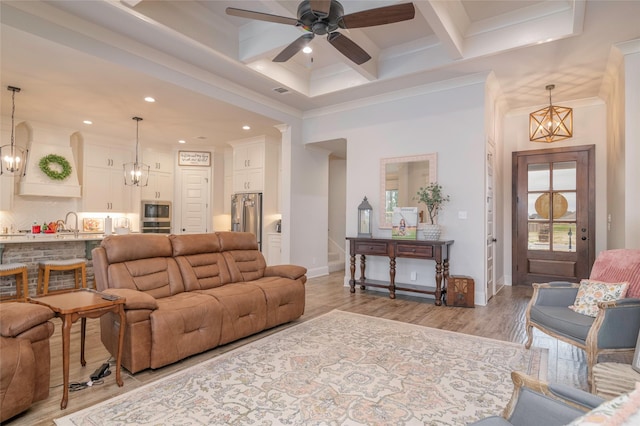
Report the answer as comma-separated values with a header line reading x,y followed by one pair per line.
x,y
12,156
136,174
551,124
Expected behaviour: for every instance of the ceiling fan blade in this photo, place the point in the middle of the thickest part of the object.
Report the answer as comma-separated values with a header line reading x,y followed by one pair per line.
x,y
294,48
320,7
378,16
348,48
261,16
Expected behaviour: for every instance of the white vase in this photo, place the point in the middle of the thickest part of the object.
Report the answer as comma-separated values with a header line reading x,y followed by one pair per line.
x,y
431,232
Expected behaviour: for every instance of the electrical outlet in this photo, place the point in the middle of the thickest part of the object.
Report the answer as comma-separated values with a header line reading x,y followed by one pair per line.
x,y
414,276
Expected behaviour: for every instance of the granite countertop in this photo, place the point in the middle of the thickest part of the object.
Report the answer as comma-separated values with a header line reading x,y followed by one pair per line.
x,y
49,238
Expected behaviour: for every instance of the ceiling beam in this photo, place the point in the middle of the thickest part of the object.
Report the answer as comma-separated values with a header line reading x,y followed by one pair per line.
x,y
449,22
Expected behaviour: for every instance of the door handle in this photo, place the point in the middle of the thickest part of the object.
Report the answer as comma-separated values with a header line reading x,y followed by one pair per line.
x,y
584,238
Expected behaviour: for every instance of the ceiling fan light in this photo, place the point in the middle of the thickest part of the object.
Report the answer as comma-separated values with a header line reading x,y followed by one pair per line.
x,y
551,124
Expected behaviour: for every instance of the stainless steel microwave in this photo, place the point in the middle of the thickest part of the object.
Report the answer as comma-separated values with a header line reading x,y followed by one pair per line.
x,y
156,211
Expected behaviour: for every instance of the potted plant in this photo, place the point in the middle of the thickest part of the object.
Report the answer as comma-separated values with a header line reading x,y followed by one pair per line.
x,y
432,197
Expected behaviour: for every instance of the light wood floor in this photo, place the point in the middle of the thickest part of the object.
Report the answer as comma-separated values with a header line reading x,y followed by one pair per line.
x,y
502,319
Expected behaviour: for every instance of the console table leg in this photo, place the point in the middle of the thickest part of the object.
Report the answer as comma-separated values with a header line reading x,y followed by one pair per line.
x,y
352,267
438,284
392,277
363,265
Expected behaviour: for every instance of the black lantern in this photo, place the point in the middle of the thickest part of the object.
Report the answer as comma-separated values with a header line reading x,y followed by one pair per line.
x,y
364,219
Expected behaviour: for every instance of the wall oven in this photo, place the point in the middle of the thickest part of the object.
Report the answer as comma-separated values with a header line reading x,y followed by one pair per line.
x,y
155,217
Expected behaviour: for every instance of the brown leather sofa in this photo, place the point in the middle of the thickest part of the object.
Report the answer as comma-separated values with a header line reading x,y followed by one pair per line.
x,y
24,356
186,294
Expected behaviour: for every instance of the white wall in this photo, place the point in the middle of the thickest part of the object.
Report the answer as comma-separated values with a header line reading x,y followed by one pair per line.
x,y
443,119
632,145
337,200
589,128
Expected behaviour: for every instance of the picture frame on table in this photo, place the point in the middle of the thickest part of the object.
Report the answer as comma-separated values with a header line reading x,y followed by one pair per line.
x,y
404,223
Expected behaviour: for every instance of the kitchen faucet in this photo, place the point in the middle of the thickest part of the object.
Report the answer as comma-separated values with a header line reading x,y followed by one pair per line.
x,y
75,230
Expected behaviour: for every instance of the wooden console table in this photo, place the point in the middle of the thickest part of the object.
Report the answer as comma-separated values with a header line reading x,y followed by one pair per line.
x,y
416,249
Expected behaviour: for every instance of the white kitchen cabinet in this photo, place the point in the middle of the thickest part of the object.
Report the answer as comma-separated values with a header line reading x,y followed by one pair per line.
x,y
248,180
250,165
104,191
274,249
158,161
160,185
103,188
249,156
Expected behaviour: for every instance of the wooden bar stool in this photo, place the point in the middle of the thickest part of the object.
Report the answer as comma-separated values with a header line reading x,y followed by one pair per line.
x,y
78,265
19,270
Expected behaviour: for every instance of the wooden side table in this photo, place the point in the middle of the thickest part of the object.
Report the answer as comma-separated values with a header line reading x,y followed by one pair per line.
x,y
611,379
82,303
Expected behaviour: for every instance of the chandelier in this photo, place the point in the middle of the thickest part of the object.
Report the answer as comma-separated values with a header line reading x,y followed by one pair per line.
x,y
551,124
136,174
12,156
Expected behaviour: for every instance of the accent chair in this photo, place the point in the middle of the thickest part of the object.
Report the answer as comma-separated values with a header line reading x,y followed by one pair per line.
x,y
616,324
535,403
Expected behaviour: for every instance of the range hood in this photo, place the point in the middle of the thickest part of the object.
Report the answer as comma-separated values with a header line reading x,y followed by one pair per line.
x,y
35,183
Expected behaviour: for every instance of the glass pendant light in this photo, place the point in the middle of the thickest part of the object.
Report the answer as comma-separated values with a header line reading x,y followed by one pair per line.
x,y
136,174
12,156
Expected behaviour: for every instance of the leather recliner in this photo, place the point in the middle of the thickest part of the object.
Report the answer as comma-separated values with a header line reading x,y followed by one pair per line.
x,y
25,359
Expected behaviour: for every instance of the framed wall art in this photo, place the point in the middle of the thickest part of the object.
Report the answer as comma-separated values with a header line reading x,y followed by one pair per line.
x,y
194,158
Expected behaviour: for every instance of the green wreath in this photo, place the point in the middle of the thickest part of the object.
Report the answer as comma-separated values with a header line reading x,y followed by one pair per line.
x,y
45,166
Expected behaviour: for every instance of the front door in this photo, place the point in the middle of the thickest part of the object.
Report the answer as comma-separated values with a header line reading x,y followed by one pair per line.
x,y
553,214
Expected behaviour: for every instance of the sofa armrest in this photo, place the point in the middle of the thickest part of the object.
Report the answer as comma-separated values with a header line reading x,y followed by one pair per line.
x,y
134,299
616,326
286,271
16,318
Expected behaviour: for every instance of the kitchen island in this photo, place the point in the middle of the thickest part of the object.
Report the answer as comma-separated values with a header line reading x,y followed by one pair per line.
x,y
34,248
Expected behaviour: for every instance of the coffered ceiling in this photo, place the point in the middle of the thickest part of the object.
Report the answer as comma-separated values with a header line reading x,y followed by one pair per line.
x,y
79,60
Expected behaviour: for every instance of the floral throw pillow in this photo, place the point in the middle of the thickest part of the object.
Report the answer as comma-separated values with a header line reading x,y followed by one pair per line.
x,y
621,411
591,292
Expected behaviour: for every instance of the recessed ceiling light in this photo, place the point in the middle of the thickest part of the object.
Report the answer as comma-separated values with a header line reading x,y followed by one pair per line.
x,y
307,50
246,127
182,141
88,122
149,99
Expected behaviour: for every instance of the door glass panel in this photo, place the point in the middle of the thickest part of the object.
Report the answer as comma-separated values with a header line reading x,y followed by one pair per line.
x,y
538,177
564,237
538,206
564,206
564,175
539,236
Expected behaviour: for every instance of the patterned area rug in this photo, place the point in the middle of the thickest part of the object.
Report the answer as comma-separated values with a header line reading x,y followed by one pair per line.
x,y
337,369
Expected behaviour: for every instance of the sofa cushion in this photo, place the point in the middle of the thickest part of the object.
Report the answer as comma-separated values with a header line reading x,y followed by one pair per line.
x,y
285,299
158,276
591,292
203,271
187,244
244,310
563,321
183,325
121,248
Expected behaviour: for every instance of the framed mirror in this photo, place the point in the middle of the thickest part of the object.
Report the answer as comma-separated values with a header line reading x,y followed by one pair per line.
x,y
400,179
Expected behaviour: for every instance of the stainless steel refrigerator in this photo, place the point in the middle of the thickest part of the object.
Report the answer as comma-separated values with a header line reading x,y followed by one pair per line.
x,y
246,214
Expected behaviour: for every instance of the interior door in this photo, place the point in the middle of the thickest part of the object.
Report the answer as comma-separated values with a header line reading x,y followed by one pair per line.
x,y
553,214
194,201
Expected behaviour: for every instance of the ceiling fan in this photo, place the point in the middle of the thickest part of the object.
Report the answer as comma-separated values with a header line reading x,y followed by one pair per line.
x,y
321,17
